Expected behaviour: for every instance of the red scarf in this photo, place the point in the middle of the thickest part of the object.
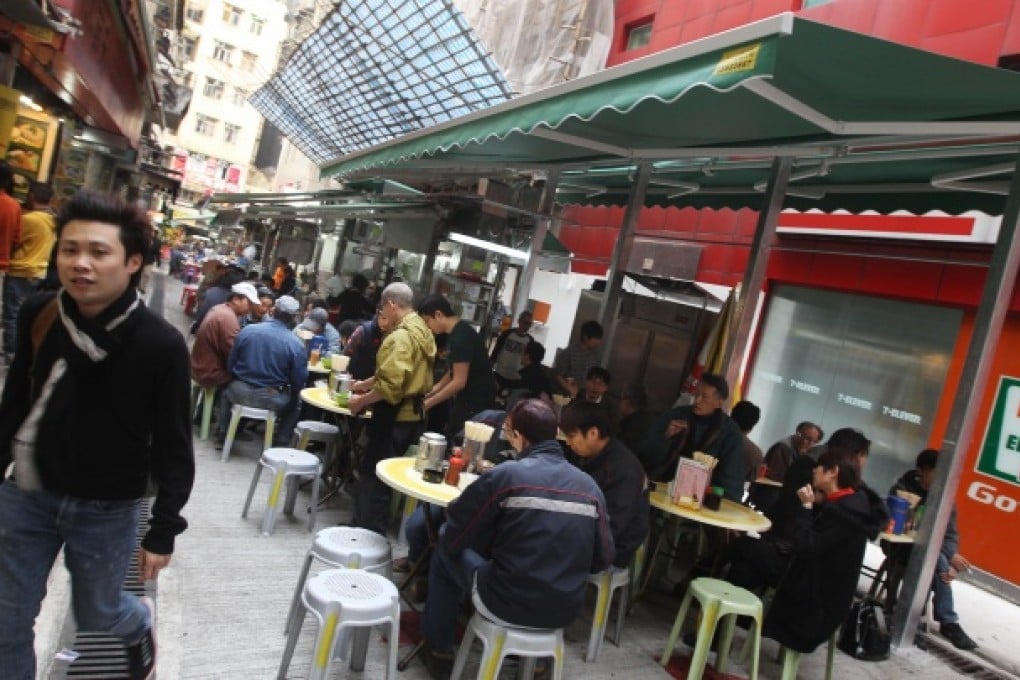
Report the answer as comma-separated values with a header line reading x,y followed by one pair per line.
x,y
836,495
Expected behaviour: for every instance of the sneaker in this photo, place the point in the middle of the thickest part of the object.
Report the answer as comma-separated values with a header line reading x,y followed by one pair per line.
x,y
954,633
438,664
142,655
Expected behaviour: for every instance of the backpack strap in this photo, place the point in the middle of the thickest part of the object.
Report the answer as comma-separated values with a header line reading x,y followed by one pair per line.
x,y
42,324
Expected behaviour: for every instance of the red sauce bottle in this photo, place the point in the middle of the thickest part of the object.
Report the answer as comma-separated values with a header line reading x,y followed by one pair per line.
x,y
456,465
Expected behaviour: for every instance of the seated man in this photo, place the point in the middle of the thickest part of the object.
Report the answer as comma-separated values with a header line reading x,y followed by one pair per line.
x,y
836,518
523,537
270,367
534,379
635,416
781,455
746,415
596,391
216,335
950,562
317,323
703,426
615,469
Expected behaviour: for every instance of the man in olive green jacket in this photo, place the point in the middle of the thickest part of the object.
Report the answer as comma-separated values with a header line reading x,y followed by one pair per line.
x,y
403,375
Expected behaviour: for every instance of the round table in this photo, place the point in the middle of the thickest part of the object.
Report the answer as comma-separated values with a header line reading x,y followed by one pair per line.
x,y
897,538
765,481
399,474
318,368
319,397
730,515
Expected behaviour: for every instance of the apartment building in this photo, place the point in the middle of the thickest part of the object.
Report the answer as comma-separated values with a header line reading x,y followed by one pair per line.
x,y
227,49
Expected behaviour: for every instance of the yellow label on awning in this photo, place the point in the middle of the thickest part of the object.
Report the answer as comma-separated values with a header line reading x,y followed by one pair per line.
x,y
741,59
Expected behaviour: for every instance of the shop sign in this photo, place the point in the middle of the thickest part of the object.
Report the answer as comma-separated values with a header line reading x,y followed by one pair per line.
x,y
1000,451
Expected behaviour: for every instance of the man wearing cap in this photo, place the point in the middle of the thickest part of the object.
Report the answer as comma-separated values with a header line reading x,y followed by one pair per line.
x,y
215,337
269,367
317,323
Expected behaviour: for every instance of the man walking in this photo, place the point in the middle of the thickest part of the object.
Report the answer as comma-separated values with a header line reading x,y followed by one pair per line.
x,y
95,404
10,220
29,259
508,352
403,375
270,367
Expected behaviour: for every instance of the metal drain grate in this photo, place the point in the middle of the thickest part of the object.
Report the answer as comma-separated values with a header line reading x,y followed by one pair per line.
x,y
101,655
963,663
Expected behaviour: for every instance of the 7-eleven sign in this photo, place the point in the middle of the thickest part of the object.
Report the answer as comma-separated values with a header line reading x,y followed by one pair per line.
x,y
1000,451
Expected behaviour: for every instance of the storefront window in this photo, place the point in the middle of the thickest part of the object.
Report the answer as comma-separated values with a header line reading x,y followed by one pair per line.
x,y
842,360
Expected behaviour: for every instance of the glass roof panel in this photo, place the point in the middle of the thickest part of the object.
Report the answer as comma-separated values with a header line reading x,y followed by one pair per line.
x,y
376,69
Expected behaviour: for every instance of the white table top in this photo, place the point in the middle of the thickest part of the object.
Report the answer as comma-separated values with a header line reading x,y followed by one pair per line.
x,y
399,474
319,397
730,515
765,481
897,538
318,368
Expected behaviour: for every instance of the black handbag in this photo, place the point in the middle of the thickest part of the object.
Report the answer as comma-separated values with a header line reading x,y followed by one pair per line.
x,y
865,635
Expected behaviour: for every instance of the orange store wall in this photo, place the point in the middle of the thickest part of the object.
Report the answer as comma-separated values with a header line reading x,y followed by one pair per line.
x,y
987,533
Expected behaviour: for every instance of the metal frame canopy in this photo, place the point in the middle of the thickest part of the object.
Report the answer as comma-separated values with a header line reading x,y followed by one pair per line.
x,y
856,113
784,105
375,69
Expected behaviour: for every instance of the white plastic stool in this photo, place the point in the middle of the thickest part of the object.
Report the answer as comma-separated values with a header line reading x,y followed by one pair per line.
x,y
500,641
349,547
607,582
285,463
315,431
208,395
236,413
341,599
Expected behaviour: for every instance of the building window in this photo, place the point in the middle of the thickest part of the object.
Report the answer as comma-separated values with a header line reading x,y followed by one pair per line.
x,y
639,34
257,25
248,61
204,125
195,14
231,132
240,97
223,52
189,46
232,15
213,88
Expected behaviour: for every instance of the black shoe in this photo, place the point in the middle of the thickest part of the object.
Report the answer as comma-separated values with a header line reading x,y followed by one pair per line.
x,y
954,633
401,565
141,656
439,664
219,442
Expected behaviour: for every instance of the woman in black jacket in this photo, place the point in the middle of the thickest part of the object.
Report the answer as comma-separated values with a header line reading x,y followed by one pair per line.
x,y
829,532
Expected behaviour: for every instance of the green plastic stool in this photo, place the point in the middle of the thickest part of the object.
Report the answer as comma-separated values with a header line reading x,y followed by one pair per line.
x,y
208,395
718,600
791,659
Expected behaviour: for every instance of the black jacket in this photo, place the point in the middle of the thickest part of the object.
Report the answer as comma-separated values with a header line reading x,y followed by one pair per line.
x,y
127,417
622,479
543,527
815,595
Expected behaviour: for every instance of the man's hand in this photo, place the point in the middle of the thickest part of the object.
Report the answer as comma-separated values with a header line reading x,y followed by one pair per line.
x,y
151,564
355,403
960,563
948,576
806,495
675,427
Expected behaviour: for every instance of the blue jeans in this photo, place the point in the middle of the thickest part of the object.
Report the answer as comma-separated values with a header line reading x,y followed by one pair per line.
x,y
945,611
416,530
450,577
99,540
16,291
283,403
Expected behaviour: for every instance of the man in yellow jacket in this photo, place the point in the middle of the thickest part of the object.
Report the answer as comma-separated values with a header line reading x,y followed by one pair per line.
x,y
403,376
30,257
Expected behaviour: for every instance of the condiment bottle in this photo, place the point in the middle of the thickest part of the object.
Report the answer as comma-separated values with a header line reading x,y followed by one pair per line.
x,y
456,465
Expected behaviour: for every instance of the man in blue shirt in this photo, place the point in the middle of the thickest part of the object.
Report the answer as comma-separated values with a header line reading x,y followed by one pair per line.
x,y
270,366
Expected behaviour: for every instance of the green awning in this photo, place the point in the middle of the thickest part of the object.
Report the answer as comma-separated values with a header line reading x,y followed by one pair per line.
x,y
855,111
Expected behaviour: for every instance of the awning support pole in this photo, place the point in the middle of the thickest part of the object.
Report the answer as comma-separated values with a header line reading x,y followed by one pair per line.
x,y
545,208
959,434
614,277
754,274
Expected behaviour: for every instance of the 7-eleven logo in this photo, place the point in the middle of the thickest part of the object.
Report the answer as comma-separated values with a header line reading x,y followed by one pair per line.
x,y
1000,451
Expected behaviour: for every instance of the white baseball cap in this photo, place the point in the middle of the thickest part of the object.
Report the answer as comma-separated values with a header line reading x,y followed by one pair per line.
x,y
247,290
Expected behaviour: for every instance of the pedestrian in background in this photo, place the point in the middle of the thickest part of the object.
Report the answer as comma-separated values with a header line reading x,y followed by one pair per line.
x,y
29,259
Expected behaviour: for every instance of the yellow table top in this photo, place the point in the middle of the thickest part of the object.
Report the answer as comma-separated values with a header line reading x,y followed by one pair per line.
x,y
730,515
318,368
897,538
319,398
399,474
